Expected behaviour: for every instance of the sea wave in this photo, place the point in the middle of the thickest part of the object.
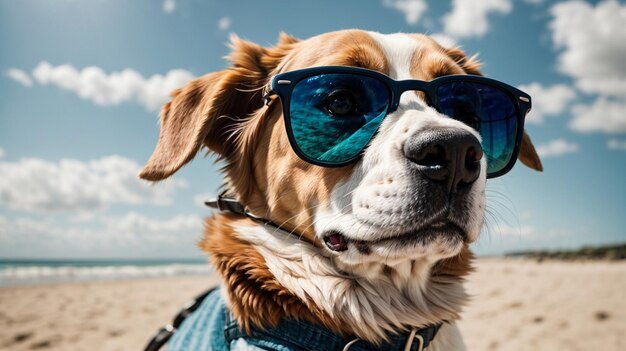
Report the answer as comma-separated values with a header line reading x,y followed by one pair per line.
x,y
47,274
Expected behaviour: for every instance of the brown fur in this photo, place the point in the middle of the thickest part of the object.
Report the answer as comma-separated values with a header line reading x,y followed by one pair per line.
x,y
256,298
431,60
287,189
204,111
469,64
454,268
528,154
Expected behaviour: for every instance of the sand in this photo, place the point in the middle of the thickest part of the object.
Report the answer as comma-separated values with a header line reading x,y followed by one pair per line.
x,y
518,305
110,315
525,305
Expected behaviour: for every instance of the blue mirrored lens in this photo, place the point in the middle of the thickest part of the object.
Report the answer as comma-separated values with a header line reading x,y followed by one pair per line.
x,y
334,116
487,109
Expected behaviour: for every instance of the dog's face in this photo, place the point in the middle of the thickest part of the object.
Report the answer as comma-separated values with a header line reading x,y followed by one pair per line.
x,y
383,208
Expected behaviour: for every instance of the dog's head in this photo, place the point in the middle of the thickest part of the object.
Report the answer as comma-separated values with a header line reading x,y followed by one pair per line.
x,y
389,206
381,242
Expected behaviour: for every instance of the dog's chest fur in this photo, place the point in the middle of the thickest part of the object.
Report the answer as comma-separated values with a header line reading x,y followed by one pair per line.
x,y
269,275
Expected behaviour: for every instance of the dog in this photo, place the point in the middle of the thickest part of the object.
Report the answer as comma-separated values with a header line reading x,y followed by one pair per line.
x,y
367,247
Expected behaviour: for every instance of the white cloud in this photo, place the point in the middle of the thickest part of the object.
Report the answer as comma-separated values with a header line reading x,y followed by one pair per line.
x,y
615,144
465,19
92,83
592,42
224,23
130,235
547,101
136,223
20,76
470,18
32,184
412,9
129,226
556,148
2,152
169,6
592,53
603,115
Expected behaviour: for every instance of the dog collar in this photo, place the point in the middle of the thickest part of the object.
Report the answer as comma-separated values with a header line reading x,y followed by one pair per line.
x,y
228,204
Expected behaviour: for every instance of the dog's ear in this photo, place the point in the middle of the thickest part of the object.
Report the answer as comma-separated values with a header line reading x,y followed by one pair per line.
x,y
207,111
470,65
186,121
528,154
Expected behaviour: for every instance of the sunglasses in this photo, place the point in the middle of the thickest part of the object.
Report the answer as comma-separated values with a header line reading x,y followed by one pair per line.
x,y
333,112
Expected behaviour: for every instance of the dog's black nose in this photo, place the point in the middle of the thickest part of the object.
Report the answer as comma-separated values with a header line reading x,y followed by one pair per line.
x,y
450,156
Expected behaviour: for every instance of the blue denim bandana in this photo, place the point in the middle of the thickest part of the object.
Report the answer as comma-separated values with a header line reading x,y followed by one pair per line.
x,y
212,328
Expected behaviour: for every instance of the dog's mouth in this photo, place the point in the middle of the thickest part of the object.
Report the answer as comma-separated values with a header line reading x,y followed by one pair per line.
x,y
337,241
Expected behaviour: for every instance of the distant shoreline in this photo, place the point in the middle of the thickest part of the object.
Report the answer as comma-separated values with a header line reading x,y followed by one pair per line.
x,y
92,261
35,272
615,252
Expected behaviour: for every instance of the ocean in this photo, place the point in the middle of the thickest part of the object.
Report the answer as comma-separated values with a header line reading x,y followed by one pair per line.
x,y
29,272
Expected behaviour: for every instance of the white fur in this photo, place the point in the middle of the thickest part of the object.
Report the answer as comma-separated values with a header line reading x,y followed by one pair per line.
x,y
399,49
374,305
371,203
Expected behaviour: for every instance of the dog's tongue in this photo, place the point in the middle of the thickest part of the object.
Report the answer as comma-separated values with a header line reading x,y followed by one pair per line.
x,y
336,239
336,242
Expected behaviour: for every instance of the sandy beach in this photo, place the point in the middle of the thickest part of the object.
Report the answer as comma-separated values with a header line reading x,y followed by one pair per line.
x,y
518,304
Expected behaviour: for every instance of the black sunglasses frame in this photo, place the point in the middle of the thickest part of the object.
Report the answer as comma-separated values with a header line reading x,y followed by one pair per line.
x,y
282,85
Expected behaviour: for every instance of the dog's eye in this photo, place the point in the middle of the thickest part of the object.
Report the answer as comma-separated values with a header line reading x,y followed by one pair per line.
x,y
340,103
467,114
472,120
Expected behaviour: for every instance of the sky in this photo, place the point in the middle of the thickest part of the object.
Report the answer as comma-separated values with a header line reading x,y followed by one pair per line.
x,y
81,83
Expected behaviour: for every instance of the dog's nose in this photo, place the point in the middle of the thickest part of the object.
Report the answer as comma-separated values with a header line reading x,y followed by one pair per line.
x,y
450,156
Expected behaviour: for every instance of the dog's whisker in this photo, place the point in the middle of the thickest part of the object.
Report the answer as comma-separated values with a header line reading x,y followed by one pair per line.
x,y
297,215
251,90
331,221
487,224
499,215
496,222
309,208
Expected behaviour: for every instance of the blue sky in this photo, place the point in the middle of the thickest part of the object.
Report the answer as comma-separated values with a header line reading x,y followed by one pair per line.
x,y
81,82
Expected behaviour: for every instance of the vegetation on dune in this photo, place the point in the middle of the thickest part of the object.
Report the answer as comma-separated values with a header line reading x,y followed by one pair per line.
x,y
608,252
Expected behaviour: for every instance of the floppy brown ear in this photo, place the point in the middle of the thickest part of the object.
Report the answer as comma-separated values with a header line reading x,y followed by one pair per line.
x,y
470,65
528,154
206,110
186,121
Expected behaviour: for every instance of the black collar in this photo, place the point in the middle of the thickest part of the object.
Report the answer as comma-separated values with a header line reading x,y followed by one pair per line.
x,y
228,204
